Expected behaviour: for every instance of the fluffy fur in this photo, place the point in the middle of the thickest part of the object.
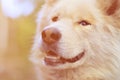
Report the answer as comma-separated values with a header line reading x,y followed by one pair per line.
x,y
100,40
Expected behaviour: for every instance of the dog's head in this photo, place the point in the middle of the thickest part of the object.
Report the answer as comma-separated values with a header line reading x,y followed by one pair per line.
x,y
74,33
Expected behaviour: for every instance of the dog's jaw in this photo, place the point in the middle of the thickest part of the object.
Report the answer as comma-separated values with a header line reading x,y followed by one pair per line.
x,y
82,73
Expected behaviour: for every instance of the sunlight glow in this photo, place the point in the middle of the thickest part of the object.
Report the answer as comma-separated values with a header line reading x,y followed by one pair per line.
x,y
16,8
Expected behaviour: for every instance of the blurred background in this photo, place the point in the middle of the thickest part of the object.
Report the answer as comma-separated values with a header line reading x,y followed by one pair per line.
x,y
17,29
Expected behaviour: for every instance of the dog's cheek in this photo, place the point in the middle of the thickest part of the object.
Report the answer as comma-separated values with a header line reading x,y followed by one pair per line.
x,y
85,32
71,43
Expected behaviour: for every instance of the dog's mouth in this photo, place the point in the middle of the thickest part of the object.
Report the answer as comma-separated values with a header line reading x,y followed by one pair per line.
x,y
53,60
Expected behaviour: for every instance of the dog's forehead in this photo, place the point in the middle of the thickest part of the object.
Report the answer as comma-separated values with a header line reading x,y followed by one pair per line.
x,y
76,3
74,8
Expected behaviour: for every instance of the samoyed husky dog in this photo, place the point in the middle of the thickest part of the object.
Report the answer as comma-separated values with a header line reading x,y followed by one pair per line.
x,y
78,40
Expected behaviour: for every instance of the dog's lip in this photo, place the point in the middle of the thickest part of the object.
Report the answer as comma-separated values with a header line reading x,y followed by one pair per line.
x,y
56,60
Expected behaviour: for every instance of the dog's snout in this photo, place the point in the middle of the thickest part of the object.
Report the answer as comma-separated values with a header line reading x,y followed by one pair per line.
x,y
51,35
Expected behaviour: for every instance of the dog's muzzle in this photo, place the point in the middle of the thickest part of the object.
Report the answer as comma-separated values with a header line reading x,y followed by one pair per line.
x,y
50,38
54,60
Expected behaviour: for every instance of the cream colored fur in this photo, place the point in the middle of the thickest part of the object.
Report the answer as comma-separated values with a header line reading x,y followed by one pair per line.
x,y
100,40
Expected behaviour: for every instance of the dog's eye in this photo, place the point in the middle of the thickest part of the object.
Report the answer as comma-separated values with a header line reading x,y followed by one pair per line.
x,y
54,19
84,23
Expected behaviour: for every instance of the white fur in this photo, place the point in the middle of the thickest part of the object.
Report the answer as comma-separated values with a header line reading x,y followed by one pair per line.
x,y
100,40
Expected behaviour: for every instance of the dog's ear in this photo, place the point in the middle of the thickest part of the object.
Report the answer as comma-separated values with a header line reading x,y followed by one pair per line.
x,y
50,1
109,6
113,7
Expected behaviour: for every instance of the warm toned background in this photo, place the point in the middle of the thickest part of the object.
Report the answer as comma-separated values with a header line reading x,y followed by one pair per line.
x,y
16,39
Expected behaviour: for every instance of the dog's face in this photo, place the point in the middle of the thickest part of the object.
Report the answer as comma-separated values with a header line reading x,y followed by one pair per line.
x,y
74,33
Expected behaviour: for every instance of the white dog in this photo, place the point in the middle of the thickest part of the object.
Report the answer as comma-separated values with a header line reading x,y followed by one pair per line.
x,y
78,40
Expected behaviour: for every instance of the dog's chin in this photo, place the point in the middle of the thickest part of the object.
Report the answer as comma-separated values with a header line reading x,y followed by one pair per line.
x,y
56,61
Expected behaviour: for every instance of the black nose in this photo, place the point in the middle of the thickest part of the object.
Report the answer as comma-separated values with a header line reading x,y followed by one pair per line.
x,y
51,35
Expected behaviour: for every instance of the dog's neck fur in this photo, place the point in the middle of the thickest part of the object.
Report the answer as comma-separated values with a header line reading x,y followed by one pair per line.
x,y
75,74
